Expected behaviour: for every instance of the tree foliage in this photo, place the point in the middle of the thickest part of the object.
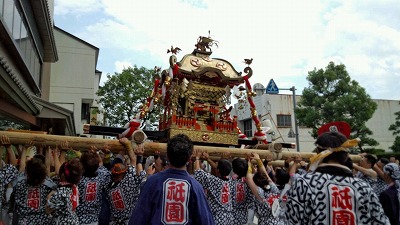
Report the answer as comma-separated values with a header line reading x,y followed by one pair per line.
x,y
396,132
6,124
333,96
396,144
123,94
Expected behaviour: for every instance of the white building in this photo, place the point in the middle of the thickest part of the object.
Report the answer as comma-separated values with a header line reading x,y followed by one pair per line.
x,y
74,79
278,108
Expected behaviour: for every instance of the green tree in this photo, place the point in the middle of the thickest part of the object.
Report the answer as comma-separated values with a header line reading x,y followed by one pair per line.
x,y
123,94
6,124
396,144
333,96
396,132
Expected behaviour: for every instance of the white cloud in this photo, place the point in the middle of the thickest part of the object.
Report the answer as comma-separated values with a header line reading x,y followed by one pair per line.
x,y
110,34
121,65
286,39
77,7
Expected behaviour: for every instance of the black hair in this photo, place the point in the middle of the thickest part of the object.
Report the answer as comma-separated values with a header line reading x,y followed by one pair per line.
x,y
72,171
332,140
349,163
179,150
384,160
164,160
239,166
90,162
261,180
282,177
116,161
286,164
36,171
371,159
224,167
41,158
339,157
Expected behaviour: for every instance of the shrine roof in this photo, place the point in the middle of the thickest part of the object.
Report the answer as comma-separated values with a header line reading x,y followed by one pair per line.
x,y
198,64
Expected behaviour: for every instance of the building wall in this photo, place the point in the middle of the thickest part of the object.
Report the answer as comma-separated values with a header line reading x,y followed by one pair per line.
x,y
45,81
269,106
381,120
99,116
25,45
73,79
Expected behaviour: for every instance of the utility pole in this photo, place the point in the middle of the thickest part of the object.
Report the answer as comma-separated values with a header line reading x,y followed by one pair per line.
x,y
294,134
272,88
296,127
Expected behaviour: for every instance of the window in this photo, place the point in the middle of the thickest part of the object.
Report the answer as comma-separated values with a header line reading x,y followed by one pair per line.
x,y
85,114
1,7
16,28
247,125
284,120
24,39
8,13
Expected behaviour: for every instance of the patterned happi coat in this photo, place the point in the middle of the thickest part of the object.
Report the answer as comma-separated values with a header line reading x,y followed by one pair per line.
x,y
61,203
242,200
330,195
172,197
367,179
90,197
7,174
380,186
263,209
30,202
219,196
123,196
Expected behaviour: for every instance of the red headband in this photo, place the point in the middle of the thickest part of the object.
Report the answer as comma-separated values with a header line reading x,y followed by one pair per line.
x,y
119,165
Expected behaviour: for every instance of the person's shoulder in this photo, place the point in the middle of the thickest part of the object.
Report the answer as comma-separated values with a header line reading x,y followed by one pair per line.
x,y
361,187
237,180
91,179
195,183
20,177
200,172
191,178
48,182
8,173
359,182
391,190
85,179
101,173
308,176
161,178
60,192
157,178
388,193
10,168
131,169
310,179
177,175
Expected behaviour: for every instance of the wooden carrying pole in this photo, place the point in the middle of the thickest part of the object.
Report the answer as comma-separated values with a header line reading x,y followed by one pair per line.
x,y
82,143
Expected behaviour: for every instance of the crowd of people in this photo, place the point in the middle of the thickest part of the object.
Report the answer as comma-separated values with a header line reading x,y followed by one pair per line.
x,y
45,185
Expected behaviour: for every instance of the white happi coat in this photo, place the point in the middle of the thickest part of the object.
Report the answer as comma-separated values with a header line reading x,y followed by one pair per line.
x,y
333,197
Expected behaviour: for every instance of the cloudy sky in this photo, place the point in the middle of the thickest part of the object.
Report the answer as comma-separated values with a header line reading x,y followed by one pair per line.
x,y
286,39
